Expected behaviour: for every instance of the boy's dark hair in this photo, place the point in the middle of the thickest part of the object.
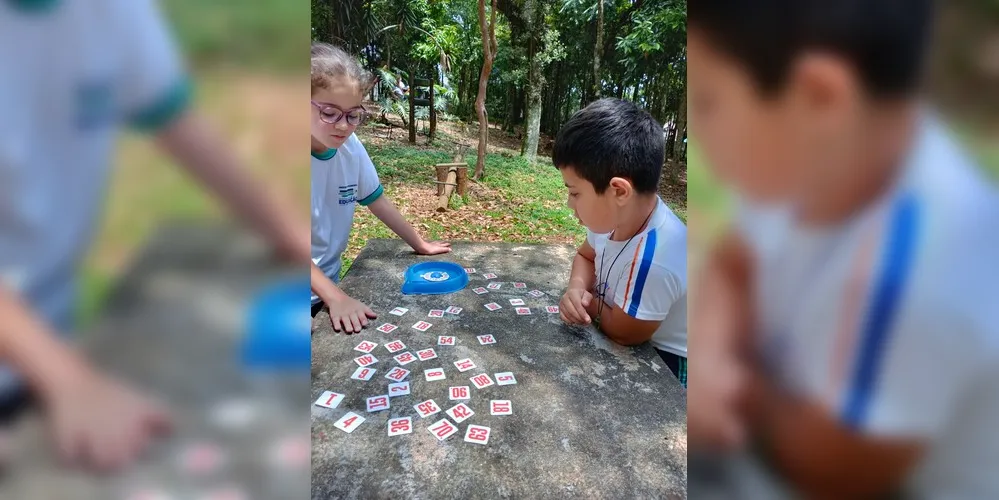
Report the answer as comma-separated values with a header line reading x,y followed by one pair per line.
x,y
886,41
612,138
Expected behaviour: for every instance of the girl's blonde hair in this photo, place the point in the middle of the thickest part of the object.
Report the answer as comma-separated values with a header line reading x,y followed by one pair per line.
x,y
331,63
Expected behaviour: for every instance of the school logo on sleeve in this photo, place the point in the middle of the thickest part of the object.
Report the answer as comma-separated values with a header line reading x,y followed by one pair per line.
x,y
348,194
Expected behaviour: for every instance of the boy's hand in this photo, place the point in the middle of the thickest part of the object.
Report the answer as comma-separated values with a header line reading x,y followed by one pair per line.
x,y
715,383
348,314
99,422
433,248
572,307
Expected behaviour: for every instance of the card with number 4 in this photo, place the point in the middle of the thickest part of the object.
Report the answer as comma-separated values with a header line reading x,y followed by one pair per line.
x,y
433,374
436,313
397,374
505,378
500,407
523,311
494,286
330,399
442,340
481,381
442,429
460,412
486,339
387,328
399,311
349,422
536,294
464,365
477,434
453,310
480,290
551,309
492,306
362,373
427,408
422,326
426,354
401,425
378,403
398,389
366,347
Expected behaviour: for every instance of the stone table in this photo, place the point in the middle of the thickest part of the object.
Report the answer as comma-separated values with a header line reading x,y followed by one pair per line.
x,y
172,326
591,419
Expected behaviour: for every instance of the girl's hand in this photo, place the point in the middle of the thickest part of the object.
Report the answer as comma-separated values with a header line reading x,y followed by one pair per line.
x,y
433,248
349,315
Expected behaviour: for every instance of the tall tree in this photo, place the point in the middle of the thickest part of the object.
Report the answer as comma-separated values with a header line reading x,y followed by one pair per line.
x,y
489,49
598,49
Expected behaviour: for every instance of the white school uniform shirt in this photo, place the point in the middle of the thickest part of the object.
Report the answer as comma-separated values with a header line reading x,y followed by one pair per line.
x,y
74,72
647,277
341,179
891,319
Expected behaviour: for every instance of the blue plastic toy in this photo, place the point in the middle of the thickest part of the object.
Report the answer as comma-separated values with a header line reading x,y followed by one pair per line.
x,y
279,330
434,278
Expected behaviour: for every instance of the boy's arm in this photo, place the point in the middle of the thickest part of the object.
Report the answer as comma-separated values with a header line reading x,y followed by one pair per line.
x,y
389,214
201,151
817,454
578,295
622,328
323,287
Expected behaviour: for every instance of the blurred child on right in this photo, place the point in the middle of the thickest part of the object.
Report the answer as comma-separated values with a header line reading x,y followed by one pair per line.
x,y
849,325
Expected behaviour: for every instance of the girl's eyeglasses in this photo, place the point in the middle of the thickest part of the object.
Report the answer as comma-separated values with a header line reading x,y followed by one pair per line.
x,y
332,115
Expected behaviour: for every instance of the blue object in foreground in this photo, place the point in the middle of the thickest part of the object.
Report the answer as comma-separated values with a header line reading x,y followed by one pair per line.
x,y
279,330
434,278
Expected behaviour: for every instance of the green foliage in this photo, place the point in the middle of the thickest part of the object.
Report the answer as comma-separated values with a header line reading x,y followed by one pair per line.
x,y
267,36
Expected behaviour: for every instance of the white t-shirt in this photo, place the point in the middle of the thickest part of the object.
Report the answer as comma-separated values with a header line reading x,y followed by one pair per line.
x,y
341,179
73,74
647,278
891,319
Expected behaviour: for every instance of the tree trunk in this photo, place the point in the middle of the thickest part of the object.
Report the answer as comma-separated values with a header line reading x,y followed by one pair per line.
x,y
412,105
488,28
598,49
681,128
535,86
433,109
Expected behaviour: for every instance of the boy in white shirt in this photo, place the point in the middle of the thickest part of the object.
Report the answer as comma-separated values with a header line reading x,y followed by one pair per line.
x,y
631,273
342,178
73,74
848,325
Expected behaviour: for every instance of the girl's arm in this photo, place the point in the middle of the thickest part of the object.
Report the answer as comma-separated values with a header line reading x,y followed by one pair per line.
x,y
387,213
199,148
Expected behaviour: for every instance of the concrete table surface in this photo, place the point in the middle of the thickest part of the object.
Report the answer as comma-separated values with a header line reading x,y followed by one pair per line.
x,y
591,419
172,327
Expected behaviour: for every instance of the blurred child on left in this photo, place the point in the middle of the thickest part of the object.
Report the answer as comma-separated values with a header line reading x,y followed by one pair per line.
x,y
74,74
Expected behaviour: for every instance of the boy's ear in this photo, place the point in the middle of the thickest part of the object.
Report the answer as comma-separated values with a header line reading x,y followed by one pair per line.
x,y
824,84
621,188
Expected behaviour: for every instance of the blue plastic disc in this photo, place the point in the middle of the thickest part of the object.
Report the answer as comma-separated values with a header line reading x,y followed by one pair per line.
x,y
279,334
434,278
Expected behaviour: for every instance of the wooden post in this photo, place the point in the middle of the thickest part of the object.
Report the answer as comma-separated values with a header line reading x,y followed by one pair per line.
x,y
452,177
462,181
441,178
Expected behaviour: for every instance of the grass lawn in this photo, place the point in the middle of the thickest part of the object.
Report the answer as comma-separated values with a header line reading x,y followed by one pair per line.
x,y
515,202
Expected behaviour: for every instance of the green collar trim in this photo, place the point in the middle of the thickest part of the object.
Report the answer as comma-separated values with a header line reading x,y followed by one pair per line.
x,y
326,155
